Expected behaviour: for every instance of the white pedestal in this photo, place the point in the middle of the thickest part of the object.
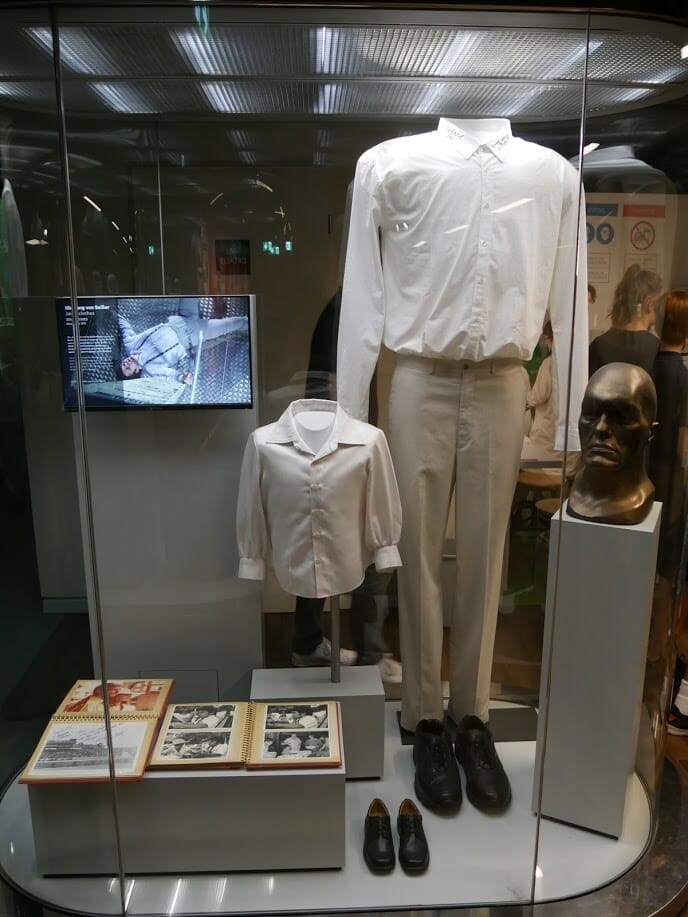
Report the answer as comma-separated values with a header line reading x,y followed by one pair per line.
x,y
362,700
597,630
193,821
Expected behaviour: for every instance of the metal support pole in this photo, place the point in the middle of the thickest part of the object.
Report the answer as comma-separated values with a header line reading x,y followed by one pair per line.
x,y
334,662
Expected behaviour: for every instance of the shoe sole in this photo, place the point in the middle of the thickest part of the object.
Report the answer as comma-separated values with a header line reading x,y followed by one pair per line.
x,y
414,869
675,731
431,804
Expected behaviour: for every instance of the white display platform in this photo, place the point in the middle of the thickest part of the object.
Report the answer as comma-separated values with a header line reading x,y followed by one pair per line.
x,y
475,859
596,630
361,696
193,821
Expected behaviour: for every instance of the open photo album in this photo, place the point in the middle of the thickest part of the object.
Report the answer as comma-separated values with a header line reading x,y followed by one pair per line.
x,y
250,734
74,748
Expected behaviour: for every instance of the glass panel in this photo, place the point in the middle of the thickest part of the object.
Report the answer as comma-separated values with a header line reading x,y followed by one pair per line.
x,y
237,140
46,633
248,189
613,631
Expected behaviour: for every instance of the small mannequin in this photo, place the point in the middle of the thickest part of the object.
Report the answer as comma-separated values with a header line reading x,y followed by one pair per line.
x,y
314,428
617,422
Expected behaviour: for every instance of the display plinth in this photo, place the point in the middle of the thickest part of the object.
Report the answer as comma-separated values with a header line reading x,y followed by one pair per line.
x,y
362,700
597,630
193,821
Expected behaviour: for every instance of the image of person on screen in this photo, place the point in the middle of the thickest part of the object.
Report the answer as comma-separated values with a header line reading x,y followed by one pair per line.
x,y
167,349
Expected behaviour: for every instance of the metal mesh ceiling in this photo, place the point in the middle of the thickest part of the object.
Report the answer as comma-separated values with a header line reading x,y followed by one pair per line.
x,y
362,71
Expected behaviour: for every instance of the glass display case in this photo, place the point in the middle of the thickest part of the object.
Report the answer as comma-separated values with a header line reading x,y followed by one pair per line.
x,y
424,230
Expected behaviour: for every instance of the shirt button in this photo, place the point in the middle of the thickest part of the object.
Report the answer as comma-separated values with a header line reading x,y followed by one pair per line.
x,y
483,243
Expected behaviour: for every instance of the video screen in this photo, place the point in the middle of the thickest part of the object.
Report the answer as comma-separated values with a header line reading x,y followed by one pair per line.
x,y
158,351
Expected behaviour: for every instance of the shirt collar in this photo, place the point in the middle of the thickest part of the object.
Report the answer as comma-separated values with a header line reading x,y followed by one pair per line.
x,y
469,135
345,430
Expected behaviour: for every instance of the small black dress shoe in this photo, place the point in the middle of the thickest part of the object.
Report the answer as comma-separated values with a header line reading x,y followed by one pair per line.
x,y
487,785
437,782
414,855
378,848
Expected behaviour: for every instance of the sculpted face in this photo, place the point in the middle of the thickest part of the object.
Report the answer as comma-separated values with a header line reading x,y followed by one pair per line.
x,y
617,416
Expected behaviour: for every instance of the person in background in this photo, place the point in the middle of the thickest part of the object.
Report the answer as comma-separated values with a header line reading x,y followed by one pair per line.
x,y
629,339
668,471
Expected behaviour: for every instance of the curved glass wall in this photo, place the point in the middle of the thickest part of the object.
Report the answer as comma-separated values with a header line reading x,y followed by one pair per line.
x,y
221,238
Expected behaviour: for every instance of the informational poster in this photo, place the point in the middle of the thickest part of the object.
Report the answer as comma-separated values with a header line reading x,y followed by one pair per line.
x,y
625,229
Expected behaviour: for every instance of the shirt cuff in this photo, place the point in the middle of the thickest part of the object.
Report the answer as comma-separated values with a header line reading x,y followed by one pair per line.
x,y
387,558
251,568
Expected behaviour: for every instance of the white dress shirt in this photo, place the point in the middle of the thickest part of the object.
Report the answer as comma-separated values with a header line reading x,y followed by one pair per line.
x,y
324,516
477,233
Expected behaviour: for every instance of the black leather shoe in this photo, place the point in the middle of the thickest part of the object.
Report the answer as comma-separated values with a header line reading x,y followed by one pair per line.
x,y
413,845
437,783
378,848
487,785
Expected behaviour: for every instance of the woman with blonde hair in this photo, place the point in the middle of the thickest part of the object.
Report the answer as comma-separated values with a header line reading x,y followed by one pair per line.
x,y
629,340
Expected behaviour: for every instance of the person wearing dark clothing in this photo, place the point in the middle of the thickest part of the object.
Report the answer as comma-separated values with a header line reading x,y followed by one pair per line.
x,y
629,339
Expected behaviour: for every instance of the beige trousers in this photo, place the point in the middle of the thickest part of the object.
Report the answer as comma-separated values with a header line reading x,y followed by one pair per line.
x,y
453,426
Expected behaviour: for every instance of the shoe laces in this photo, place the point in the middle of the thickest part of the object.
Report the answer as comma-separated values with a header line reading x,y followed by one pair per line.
x,y
382,826
481,752
411,823
440,752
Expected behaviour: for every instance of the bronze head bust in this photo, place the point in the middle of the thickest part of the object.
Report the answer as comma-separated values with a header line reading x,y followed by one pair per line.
x,y
618,419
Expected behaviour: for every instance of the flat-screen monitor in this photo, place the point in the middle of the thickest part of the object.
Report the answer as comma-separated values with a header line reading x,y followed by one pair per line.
x,y
158,351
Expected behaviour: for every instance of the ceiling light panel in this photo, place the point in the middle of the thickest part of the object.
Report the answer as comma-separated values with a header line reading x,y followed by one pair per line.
x,y
635,58
112,50
260,97
245,50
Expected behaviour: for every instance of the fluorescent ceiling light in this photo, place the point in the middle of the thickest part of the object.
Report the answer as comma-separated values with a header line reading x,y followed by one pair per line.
x,y
519,203
327,100
323,50
115,225
247,156
223,97
261,184
217,198
684,52
202,54
78,51
431,97
589,147
123,98
93,204
241,139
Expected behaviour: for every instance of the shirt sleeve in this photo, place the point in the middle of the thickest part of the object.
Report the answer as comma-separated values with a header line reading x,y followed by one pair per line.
x,y
383,507
570,317
251,529
362,312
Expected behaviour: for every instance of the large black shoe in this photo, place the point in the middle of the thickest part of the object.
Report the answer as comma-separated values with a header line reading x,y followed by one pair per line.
x,y
414,855
378,848
437,782
487,785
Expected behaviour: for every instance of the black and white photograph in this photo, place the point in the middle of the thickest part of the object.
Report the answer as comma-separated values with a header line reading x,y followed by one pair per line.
x,y
292,744
296,716
182,745
202,716
71,752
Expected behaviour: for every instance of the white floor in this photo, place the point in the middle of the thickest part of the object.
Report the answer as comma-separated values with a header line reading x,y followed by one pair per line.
x,y
475,858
